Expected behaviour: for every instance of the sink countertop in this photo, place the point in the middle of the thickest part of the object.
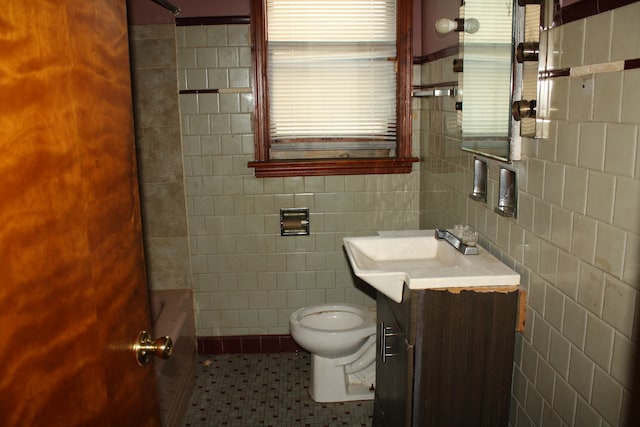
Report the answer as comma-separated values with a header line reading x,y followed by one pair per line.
x,y
392,258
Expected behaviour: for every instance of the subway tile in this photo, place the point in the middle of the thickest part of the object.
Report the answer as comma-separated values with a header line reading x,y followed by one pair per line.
x,y
586,416
561,225
195,36
548,263
626,34
541,331
536,297
584,234
542,219
600,194
535,177
561,99
534,404
564,400
217,78
626,203
620,151
239,77
572,44
553,182
559,352
580,100
574,323
631,268
599,342
206,57
622,361
216,35
592,141
607,97
630,98
550,418
554,307
568,274
567,143
529,364
591,289
525,211
610,249
607,397
546,380
597,44
575,189
619,305
531,250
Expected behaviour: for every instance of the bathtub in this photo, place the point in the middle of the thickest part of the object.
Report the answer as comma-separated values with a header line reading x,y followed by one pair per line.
x,y
172,315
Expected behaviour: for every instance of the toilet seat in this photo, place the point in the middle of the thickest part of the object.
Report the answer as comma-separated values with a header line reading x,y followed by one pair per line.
x,y
332,330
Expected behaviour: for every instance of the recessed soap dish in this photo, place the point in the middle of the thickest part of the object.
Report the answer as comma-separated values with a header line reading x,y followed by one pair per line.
x,y
507,198
479,192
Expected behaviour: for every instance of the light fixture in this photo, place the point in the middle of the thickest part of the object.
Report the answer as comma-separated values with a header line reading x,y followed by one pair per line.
x,y
468,25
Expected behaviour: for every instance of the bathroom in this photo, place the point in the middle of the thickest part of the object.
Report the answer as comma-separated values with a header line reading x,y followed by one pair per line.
x,y
213,229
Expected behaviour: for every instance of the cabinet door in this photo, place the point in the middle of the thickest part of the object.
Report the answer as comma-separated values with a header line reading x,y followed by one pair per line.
x,y
394,370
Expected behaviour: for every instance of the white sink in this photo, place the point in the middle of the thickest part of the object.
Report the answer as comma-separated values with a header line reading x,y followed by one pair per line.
x,y
417,258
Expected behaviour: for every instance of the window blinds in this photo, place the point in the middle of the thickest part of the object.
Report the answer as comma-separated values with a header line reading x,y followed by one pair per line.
x,y
331,74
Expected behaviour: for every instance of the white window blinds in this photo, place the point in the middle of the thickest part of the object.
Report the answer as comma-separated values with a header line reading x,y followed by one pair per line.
x,y
331,78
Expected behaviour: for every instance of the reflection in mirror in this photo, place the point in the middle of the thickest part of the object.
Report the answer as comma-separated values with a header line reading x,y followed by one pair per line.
x,y
486,83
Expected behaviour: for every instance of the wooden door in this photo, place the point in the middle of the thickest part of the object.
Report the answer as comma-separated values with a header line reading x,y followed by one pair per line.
x,y
73,293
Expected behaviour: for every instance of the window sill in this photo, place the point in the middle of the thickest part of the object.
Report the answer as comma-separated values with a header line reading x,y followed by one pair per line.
x,y
327,167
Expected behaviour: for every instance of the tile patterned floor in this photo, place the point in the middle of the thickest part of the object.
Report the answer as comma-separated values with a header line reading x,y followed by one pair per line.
x,y
247,390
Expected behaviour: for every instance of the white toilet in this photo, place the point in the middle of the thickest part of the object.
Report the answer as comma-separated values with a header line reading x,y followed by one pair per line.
x,y
341,339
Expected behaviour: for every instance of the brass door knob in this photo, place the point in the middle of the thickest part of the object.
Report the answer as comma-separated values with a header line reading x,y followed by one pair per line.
x,y
145,347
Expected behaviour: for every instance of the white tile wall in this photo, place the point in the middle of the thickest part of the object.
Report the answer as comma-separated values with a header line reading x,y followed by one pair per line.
x,y
247,278
576,240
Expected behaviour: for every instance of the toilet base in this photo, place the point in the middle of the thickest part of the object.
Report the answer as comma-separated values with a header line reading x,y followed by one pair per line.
x,y
330,383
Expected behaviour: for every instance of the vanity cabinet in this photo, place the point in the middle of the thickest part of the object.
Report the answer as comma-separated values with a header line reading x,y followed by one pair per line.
x,y
445,357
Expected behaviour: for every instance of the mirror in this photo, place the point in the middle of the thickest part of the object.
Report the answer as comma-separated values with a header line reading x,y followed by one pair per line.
x,y
485,83
497,90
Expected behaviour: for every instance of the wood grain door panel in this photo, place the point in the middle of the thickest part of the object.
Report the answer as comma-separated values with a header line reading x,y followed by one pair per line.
x,y
73,292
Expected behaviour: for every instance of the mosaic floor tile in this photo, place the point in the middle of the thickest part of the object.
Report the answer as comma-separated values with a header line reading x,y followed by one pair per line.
x,y
271,390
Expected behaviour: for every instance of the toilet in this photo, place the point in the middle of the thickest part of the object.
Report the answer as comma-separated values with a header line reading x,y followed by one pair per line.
x,y
341,339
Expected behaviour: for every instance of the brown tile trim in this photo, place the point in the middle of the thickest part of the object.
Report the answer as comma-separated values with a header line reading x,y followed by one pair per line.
x,y
632,64
584,9
551,74
241,344
442,53
197,91
212,20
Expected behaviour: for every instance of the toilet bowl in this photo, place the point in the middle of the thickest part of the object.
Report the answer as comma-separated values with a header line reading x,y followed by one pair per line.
x,y
341,339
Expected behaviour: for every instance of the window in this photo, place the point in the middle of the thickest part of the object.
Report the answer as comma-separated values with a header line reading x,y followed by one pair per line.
x,y
332,87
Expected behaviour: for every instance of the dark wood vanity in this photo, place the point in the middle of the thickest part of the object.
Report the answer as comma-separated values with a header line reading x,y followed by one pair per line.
x,y
445,357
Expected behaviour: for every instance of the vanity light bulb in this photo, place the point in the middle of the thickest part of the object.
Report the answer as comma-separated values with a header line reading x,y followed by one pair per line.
x,y
471,25
446,25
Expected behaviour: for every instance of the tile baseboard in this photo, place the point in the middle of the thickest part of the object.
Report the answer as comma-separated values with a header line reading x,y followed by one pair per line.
x,y
241,344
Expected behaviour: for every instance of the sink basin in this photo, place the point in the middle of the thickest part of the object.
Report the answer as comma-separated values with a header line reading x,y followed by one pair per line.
x,y
391,259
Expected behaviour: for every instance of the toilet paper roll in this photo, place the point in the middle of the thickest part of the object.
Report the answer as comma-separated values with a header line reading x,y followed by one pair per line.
x,y
296,224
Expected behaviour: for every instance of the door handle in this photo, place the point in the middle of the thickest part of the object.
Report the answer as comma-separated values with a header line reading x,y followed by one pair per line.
x,y
145,347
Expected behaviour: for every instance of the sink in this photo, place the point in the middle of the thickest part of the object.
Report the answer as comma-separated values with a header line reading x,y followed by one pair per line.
x,y
392,258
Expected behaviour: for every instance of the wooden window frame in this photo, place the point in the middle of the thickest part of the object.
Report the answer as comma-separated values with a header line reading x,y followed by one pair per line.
x,y
401,163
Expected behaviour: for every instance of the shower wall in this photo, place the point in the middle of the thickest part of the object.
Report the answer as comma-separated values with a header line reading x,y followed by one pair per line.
x,y
159,149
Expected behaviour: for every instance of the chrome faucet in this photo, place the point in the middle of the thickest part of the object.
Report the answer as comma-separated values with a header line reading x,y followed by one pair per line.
x,y
456,242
